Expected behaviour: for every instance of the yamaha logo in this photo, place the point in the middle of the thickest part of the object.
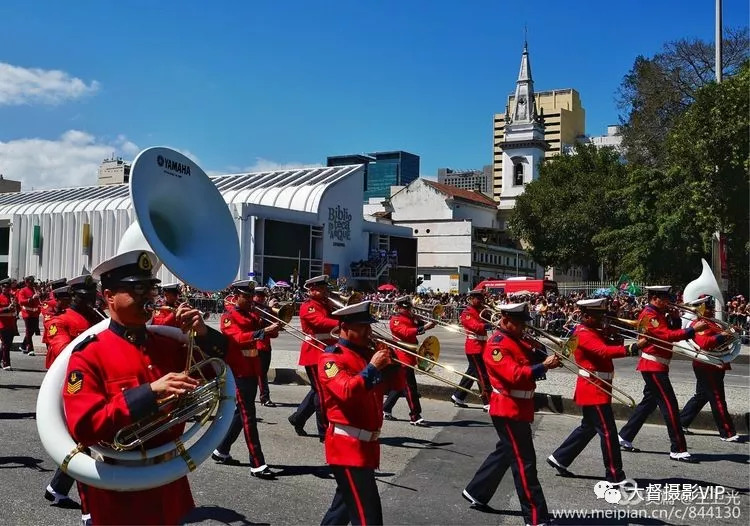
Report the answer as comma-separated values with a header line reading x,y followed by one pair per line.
x,y
176,168
160,160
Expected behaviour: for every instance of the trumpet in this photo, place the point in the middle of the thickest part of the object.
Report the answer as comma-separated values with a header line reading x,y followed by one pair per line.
x,y
639,329
564,348
167,308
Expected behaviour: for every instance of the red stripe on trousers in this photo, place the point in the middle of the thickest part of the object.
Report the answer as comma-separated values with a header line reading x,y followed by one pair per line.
x,y
670,410
609,445
522,472
247,429
720,405
360,510
480,376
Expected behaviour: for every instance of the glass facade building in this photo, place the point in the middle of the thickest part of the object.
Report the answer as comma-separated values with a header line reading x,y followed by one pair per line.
x,y
382,170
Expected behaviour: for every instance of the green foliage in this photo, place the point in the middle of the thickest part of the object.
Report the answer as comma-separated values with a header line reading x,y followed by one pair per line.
x,y
559,213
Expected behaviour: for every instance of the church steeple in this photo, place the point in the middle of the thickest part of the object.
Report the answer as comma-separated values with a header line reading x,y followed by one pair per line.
x,y
524,111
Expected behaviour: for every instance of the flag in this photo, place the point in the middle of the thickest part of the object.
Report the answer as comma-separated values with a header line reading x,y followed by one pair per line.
x,y
623,282
271,283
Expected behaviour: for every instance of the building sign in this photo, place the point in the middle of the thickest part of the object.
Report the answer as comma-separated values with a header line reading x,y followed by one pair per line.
x,y
339,225
453,286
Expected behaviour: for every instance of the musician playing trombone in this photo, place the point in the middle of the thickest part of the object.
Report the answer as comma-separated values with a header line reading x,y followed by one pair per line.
x,y
405,327
476,338
260,298
514,366
594,355
709,379
654,367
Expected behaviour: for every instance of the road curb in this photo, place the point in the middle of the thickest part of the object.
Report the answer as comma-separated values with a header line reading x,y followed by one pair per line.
x,y
542,401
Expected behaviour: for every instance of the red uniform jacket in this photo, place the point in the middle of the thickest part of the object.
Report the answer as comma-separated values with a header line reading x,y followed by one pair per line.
x,y
315,319
165,317
655,324
706,340
108,388
61,330
405,329
595,354
513,367
243,331
352,392
7,315
473,323
49,309
264,344
30,306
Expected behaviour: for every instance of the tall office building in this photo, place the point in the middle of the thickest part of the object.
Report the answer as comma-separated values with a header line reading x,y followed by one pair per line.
x,y
564,122
113,171
382,170
479,180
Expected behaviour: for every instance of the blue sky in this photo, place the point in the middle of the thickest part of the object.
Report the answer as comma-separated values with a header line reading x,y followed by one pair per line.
x,y
253,84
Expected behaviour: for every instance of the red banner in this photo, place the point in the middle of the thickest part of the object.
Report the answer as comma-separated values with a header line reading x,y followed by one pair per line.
x,y
723,256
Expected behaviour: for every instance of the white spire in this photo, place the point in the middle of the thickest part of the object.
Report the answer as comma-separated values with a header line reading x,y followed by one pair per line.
x,y
524,111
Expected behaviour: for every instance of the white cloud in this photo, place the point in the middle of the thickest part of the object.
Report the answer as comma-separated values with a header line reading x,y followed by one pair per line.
x,y
71,160
263,165
20,85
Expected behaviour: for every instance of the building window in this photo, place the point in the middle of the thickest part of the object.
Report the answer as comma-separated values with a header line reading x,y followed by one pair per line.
x,y
416,231
427,277
518,174
464,278
428,230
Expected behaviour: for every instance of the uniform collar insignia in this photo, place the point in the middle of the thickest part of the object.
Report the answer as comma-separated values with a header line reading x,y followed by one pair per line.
x,y
136,336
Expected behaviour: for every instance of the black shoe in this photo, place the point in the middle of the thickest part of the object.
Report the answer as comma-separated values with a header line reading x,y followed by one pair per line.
x,y
265,474
268,403
60,500
299,429
388,416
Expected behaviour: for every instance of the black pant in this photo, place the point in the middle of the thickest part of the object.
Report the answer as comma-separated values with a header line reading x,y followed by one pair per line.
x,y
412,397
597,419
31,325
478,370
265,364
6,340
244,420
514,449
709,388
357,493
657,392
311,403
61,482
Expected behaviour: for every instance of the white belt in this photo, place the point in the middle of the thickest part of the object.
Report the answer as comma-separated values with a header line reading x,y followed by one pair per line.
x,y
657,359
596,374
323,336
476,337
355,432
30,309
515,393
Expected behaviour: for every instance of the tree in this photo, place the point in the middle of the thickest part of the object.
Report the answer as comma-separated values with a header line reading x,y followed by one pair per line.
x,y
666,216
559,213
656,91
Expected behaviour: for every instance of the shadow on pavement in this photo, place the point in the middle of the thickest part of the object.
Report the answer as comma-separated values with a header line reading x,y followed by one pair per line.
x,y
17,416
23,462
13,387
321,472
218,514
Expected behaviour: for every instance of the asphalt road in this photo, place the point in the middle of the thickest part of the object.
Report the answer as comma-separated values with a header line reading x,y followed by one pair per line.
x,y
422,472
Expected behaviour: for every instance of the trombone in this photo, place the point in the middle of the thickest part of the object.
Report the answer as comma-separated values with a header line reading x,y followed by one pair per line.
x,y
638,328
725,349
563,348
433,314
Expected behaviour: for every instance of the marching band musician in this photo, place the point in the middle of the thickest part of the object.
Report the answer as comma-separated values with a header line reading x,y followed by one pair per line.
x,y
264,347
405,327
244,328
654,367
353,379
317,323
594,354
474,348
62,302
513,367
28,299
49,306
8,323
116,377
165,313
75,314
709,379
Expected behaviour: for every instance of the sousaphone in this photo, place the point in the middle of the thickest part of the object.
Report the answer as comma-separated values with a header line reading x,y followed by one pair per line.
x,y
183,219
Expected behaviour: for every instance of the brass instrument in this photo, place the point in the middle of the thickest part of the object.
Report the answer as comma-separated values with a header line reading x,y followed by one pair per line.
x,y
433,314
725,350
339,301
564,348
167,308
639,329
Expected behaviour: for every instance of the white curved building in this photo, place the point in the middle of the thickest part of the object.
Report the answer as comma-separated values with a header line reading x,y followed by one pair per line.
x,y
309,218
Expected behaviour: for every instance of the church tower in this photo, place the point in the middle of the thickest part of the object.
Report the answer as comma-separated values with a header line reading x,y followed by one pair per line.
x,y
523,144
